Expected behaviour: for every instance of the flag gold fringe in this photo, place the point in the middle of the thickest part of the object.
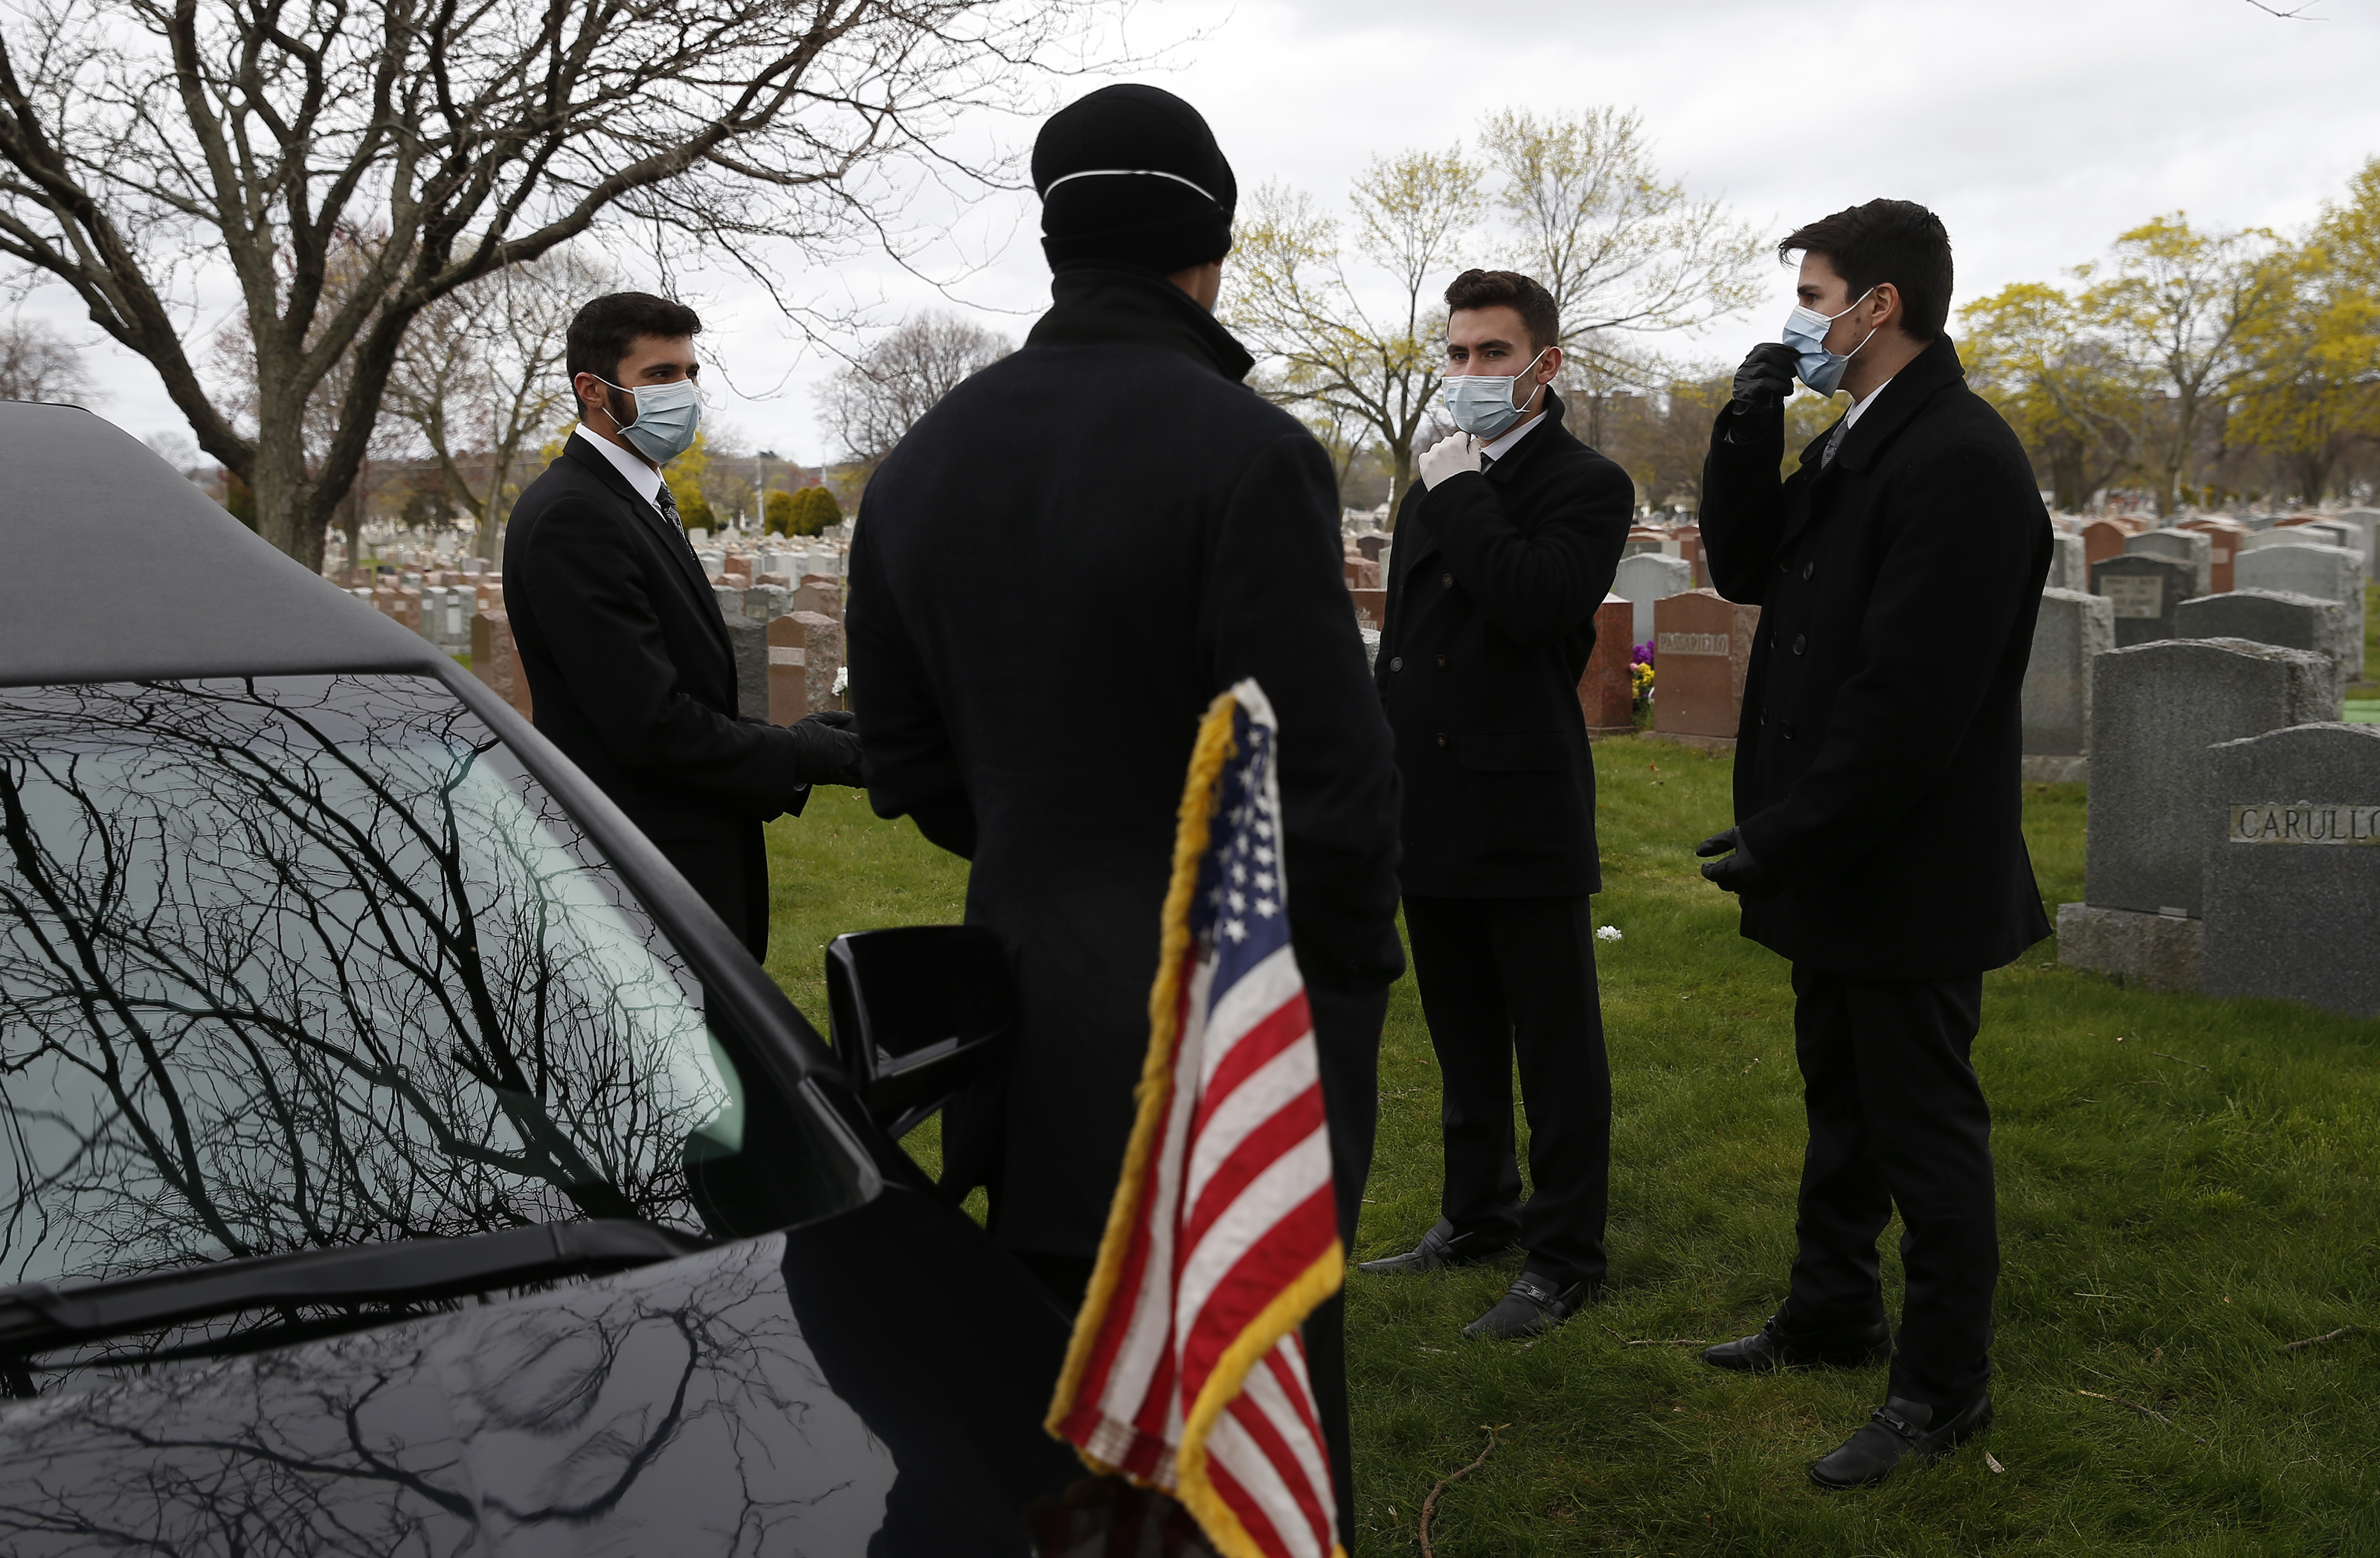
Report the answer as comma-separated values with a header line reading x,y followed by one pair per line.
x,y
1214,748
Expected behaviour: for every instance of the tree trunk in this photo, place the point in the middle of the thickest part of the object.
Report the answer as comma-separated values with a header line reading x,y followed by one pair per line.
x,y
1401,463
284,514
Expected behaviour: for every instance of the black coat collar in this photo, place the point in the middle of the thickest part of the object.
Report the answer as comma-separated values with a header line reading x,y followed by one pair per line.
x,y
1912,387
680,548
1107,308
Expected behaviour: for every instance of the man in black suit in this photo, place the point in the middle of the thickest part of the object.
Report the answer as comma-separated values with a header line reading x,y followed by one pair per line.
x,y
629,666
1877,842
1058,569
1501,558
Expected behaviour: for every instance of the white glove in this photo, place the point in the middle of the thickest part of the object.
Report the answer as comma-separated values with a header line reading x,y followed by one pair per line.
x,y
1448,456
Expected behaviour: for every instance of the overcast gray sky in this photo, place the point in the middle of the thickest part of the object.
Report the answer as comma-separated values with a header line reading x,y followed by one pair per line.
x,y
2037,128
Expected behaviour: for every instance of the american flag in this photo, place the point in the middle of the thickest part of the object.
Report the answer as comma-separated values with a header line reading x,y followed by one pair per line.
x,y
1188,1372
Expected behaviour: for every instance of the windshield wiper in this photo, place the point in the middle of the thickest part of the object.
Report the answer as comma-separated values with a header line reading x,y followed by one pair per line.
x,y
38,1315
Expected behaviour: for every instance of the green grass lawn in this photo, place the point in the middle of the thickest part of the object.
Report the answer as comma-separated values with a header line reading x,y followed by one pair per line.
x,y
2185,1185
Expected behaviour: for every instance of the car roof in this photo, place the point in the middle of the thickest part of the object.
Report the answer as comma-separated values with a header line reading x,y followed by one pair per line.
x,y
115,567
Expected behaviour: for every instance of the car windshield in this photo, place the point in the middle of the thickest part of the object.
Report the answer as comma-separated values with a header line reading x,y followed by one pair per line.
x,y
296,962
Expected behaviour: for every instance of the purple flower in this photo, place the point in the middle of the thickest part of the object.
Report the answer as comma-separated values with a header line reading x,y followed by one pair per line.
x,y
1642,654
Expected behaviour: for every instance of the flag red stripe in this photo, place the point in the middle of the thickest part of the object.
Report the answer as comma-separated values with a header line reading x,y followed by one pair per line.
x,y
1254,1281
1288,1022
1252,1515
1295,1120
1258,1426
1300,1394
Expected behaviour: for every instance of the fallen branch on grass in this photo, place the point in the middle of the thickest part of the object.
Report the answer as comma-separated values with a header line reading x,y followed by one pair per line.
x,y
2162,1055
2136,1406
1429,1504
2326,1337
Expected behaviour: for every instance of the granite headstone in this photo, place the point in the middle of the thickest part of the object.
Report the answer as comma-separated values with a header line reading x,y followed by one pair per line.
x,y
2332,572
1645,578
2182,546
2070,628
1701,649
1607,691
2275,616
2144,591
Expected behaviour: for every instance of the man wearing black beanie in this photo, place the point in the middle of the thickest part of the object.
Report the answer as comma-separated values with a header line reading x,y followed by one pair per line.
x,y
1053,573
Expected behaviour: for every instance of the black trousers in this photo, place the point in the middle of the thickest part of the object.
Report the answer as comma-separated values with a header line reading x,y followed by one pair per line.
x,y
731,870
1347,1033
1897,1118
1506,979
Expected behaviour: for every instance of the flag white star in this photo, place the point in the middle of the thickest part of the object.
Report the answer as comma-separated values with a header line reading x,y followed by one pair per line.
x,y
1266,907
1264,882
1239,871
1239,902
1264,829
1264,855
1236,929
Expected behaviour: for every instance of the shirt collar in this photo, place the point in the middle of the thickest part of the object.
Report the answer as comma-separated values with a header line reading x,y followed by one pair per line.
x,y
1504,441
643,480
1858,407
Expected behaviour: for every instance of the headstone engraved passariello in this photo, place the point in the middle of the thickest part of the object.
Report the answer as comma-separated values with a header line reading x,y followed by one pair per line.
x,y
2292,826
1702,651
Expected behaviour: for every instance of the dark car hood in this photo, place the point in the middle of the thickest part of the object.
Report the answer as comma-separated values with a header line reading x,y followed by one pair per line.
x,y
781,1394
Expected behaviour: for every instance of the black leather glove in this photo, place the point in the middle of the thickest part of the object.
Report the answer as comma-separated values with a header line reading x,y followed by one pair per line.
x,y
1765,378
827,747
1739,873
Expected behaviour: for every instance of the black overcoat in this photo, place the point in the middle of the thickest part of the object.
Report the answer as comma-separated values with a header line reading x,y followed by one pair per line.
x,y
631,674
1053,576
1876,765
1492,589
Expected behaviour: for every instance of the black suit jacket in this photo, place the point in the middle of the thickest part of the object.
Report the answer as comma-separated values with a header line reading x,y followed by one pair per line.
x,y
1492,589
629,666
1877,764
1054,573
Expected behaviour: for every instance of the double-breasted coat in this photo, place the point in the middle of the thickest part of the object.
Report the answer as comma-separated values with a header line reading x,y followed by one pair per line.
x,y
1876,766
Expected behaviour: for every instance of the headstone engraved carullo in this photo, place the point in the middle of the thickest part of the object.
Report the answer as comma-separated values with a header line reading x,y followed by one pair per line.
x,y
2331,572
2155,709
2144,591
2070,628
1644,578
1701,649
2182,546
2291,825
2276,616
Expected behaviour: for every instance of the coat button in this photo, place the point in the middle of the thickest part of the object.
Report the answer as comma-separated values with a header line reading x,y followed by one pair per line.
x,y
1784,567
1397,663
1446,580
1441,662
1441,738
1809,568
1800,642
1789,730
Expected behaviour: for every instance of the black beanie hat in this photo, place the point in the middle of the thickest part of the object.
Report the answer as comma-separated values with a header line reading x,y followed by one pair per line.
x,y
1131,176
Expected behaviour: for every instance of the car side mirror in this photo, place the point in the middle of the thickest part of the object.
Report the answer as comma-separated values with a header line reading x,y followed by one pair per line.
x,y
917,1013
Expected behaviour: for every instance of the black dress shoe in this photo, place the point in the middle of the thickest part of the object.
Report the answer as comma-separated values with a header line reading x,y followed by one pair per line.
x,y
1770,1349
1531,1305
1439,1247
1899,1431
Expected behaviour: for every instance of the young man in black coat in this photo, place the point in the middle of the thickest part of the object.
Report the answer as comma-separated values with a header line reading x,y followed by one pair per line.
x,y
1501,558
1053,576
629,667
1876,842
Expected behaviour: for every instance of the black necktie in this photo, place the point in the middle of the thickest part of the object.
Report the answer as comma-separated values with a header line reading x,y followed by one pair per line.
x,y
668,500
1826,455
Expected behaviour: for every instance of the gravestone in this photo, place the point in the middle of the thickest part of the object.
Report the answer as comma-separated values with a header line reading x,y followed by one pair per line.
x,y
2102,538
1642,540
2144,591
2155,709
2182,546
2276,616
2292,823
823,596
765,602
1371,608
2332,572
495,661
2321,531
747,640
1644,578
2366,522
1702,648
2067,570
1363,573
1370,546
2224,539
1607,692
804,651
2072,628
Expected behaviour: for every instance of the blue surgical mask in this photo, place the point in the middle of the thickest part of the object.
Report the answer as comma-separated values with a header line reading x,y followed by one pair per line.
x,y
1805,332
667,418
1481,405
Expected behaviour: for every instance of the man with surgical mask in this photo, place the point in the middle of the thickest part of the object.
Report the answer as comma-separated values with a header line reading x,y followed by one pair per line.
x,y
1503,553
1876,840
630,669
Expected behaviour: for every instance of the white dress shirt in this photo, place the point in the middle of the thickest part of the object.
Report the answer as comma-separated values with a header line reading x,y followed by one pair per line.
x,y
1505,441
642,479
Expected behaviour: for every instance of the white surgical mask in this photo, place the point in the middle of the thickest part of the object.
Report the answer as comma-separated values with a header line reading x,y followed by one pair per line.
x,y
1481,404
1805,332
667,418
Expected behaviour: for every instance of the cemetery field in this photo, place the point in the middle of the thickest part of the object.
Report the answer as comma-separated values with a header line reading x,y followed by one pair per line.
x,y
2186,1187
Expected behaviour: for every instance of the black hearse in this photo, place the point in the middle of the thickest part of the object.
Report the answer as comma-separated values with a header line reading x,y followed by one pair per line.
x,y
396,1156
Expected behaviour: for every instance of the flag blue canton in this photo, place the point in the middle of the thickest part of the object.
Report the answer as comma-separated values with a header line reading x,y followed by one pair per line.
x,y
1240,918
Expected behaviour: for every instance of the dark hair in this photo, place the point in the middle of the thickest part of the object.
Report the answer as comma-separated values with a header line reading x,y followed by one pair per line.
x,y
1508,289
1899,241
602,330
